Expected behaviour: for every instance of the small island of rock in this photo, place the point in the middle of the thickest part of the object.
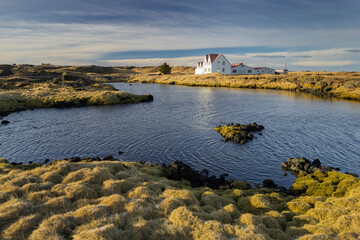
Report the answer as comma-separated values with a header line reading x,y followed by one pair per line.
x,y
238,133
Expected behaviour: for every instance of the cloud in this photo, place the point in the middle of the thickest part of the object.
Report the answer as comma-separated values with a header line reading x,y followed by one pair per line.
x,y
270,56
88,43
325,63
183,61
355,50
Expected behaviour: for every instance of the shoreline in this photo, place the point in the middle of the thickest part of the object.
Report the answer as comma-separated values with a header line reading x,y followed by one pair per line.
x,y
332,85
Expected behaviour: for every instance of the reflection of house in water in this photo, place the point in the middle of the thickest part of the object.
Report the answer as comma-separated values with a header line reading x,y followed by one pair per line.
x,y
218,63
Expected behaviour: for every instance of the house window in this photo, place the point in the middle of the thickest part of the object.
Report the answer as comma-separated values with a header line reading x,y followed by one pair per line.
x,y
249,71
218,62
223,62
223,69
218,70
234,71
242,65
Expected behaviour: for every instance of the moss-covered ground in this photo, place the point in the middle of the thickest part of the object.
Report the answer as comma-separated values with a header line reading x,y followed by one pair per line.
x,y
121,200
21,93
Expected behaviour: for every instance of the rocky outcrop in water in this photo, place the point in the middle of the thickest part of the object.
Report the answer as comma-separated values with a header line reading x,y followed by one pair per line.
x,y
302,166
4,122
238,133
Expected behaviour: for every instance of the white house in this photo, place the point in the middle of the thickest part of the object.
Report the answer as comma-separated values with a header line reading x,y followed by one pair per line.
x,y
213,63
218,63
241,69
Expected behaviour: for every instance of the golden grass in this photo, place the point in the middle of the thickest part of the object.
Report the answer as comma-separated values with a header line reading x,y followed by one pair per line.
x,y
45,95
114,200
344,85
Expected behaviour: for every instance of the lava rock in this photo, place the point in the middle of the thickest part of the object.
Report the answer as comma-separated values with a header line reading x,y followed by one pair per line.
x,y
302,166
179,170
4,122
238,133
269,183
75,159
108,158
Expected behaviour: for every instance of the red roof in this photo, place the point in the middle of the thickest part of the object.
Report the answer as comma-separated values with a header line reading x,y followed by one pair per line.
x,y
235,65
258,67
212,57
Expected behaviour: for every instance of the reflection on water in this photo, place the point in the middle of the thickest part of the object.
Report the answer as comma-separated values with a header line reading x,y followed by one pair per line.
x,y
178,126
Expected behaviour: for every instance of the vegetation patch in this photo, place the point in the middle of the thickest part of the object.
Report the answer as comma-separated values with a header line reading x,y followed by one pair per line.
x,y
83,199
238,133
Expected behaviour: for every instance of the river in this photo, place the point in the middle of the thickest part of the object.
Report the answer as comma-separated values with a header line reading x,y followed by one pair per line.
x,y
178,125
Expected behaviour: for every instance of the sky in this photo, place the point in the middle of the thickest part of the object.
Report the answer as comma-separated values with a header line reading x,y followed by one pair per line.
x,y
313,35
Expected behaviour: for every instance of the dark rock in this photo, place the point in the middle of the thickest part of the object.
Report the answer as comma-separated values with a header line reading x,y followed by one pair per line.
x,y
269,183
4,122
302,166
284,174
179,170
46,161
96,159
205,171
108,158
223,176
75,159
120,152
316,163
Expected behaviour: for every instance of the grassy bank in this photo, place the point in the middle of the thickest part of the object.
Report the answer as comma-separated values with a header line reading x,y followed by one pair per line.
x,y
21,93
119,200
343,85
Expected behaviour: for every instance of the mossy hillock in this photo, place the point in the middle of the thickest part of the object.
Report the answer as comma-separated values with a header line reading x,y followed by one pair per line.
x,y
238,133
92,199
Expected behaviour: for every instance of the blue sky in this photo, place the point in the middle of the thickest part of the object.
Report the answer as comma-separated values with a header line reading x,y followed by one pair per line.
x,y
308,34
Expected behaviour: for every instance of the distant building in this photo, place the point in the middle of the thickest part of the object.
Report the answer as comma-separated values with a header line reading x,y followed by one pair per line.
x,y
218,63
213,63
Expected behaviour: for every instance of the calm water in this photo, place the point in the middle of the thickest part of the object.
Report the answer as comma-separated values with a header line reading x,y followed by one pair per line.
x,y
178,126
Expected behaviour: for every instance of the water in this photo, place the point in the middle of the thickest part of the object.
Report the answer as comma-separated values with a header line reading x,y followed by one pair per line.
x,y
178,126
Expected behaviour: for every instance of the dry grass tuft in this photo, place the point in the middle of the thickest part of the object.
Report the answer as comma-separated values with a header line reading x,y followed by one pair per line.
x,y
22,228
117,186
55,227
104,232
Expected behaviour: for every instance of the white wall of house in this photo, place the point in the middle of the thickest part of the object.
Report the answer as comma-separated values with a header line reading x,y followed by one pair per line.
x,y
264,70
221,65
242,69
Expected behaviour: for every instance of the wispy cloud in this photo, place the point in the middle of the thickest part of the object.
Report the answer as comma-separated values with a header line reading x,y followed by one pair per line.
x,y
325,63
259,32
357,50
